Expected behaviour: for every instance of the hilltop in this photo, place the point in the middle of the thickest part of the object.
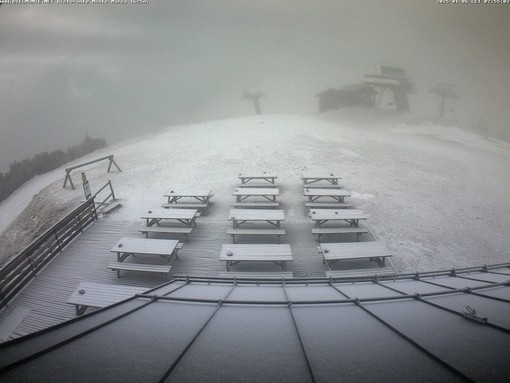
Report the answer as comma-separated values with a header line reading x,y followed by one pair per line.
x,y
436,195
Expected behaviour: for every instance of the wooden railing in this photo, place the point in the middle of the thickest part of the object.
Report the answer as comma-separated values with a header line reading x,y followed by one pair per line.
x,y
110,195
18,271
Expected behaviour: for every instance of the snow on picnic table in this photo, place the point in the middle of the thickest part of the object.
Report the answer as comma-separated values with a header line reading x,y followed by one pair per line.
x,y
437,196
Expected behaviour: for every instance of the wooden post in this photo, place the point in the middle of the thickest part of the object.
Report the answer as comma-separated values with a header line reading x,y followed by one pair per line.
x,y
68,177
112,161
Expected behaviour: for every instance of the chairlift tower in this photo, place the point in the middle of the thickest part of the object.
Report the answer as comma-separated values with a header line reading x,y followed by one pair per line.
x,y
444,91
255,97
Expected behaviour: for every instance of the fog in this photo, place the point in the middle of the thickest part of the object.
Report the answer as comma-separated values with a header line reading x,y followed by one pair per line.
x,y
116,71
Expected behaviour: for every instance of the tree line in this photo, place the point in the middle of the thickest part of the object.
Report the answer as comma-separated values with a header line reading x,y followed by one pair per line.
x,y
22,171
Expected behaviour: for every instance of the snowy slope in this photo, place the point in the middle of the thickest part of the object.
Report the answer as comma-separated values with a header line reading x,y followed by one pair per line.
x,y
437,196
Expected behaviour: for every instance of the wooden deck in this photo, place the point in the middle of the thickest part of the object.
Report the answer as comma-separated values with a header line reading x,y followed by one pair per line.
x,y
87,257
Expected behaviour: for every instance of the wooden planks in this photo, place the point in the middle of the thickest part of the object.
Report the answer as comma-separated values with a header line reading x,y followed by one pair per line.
x,y
87,258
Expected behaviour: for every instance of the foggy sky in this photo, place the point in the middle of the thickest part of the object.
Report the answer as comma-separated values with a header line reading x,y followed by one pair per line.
x,y
115,71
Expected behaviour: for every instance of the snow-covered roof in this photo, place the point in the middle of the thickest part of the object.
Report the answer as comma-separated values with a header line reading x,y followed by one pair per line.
x,y
443,326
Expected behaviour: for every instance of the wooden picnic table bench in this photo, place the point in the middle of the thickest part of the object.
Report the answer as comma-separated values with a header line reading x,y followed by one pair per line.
x,y
166,230
339,230
249,205
234,232
185,216
333,252
235,253
271,216
98,295
312,177
202,196
265,176
322,185
328,205
142,267
257,185
126,246
352,216
267,193
337,194
184,205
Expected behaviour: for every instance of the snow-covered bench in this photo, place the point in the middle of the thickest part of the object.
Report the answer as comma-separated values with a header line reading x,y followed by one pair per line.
x,y
166,230
257,185
372,251
338,230
184,205
234,232
90,294
328,205
251,205
142,267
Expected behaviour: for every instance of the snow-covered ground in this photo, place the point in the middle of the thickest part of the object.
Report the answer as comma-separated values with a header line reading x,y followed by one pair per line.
x,y
437,196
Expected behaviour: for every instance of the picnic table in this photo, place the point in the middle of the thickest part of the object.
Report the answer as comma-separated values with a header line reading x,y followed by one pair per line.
x,y
91,294
240,216
352,216
234,253
267,193
334,252
268,177
127,246
311,178
315,194
202,196
185,216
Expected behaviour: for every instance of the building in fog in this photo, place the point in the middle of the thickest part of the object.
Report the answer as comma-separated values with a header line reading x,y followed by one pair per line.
x,y
392,87
348,95
384,88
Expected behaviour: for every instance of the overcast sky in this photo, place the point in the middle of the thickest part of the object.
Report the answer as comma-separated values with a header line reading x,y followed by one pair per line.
x,y
114,71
